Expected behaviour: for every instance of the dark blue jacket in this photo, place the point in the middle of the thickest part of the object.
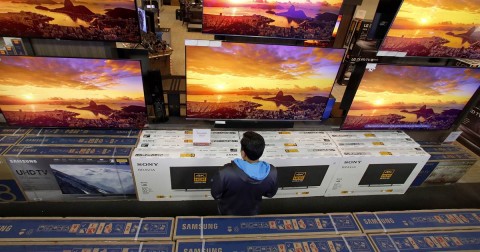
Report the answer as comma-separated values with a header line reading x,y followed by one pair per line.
x,y
239,194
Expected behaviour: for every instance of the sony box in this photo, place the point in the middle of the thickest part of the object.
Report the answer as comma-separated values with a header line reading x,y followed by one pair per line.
x,y
337,243
209,227
9,189
87,246
367,134
376,171
84,132
345,143
72,173
418,220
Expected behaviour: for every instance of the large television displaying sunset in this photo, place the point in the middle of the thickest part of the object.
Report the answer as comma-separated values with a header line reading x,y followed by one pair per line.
x,y
411,97
440,28
259,82
71,92
299,19
105,20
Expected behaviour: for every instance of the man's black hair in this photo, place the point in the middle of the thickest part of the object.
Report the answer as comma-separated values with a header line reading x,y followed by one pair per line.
x,y
253,145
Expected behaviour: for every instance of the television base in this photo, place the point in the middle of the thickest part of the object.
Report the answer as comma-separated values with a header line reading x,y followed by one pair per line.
x,y
254,124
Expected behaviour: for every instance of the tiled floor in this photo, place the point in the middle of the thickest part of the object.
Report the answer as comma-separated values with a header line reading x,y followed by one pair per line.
x,y
178,34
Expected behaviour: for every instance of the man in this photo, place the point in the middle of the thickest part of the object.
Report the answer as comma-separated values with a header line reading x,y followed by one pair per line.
x,y
239,186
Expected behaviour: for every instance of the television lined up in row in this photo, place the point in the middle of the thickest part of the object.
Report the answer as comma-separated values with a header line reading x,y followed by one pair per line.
x,y
299,19
412,97
72,92
70,20
240,81
440,28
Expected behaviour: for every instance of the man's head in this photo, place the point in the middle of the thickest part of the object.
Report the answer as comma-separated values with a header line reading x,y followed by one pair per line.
x,y
253,145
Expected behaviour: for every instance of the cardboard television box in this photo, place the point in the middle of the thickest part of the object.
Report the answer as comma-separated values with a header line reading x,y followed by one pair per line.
x,y
377,171
10,139
13,131
78,141
185,134
72,173
87,246
85,132
367,134
9,188
178,174
446,167
345,143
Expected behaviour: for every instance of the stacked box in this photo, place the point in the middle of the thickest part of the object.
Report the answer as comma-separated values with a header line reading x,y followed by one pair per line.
x,y
49,173
9,188
346,143
78,141
188,227
13,131
386,170
367,134
85,229
89,246
9,139
84,132
427,241
167,166
347,243
419,220
447,164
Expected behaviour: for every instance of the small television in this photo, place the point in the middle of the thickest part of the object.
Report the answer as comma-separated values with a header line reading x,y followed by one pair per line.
x,y
301,176
439,28
72,92
302,19
142,20
192,178
240,81
386,174
411,97
70,20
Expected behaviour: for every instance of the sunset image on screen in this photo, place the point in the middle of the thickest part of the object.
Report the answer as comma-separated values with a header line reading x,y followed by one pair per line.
x,y
300,19
71,92
439,28
106,20
411,97
248,81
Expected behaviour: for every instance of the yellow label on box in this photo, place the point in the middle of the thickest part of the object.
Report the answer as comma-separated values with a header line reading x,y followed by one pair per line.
x,y
291,150
369,135
385,153
387,174
299,176
184,155
378,143
200,178
188,141
290,144
284,132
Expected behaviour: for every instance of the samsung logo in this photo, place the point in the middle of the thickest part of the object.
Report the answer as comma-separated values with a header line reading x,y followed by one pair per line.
x,y
147,164
23,161
352,162
203,250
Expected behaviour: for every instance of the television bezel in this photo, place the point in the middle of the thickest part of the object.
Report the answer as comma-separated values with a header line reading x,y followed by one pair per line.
x,y
87,58
262,120
99,40
457,121
144,19
331,39
408,56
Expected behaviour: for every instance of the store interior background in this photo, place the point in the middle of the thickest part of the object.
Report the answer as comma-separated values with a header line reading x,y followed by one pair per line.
x,y
461,195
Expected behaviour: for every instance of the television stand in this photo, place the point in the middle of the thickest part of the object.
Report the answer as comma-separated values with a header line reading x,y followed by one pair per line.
x,y
254,124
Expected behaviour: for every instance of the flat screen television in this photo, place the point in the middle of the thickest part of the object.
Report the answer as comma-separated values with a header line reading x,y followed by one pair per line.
x,y
71,20
411,97
239,81
439,28
299,19
71,92
386,174
188,177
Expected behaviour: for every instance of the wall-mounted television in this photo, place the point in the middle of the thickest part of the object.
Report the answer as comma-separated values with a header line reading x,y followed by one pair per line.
x,y
298,19
439,28
71,20
411,97
71,92
259,82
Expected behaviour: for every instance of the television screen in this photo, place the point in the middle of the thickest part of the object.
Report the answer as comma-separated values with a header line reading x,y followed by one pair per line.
x,y
255,81
301,176
142,20
386,174
299,19
411,97
440,28
188,177
71,92
67,19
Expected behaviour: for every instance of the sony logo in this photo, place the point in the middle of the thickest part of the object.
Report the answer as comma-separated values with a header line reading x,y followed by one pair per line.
x,y
352,162
14,161
147,164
